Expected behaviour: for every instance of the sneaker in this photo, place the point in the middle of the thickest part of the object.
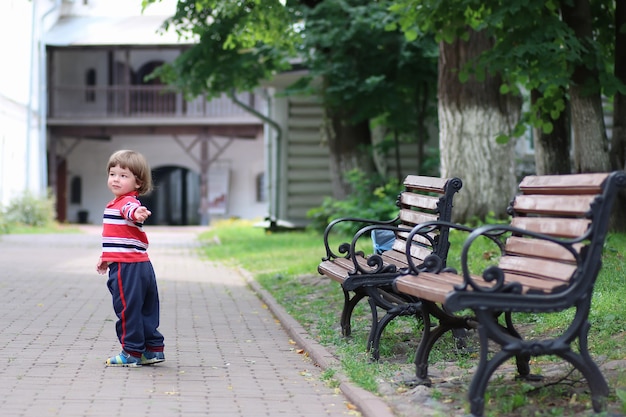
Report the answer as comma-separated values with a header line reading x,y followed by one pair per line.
x,y
123,359
149,357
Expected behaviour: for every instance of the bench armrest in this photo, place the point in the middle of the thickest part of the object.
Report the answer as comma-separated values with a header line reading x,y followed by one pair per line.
x,y
344,248
374,261
434,262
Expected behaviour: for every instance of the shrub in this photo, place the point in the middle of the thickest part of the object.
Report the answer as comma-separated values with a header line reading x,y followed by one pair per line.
x,y
371,198
4,224
28,210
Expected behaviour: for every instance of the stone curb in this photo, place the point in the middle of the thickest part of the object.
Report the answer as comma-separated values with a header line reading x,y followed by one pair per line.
x,y
367,403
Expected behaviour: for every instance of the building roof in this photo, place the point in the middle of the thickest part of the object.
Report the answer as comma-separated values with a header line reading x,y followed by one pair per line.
x,y
111,30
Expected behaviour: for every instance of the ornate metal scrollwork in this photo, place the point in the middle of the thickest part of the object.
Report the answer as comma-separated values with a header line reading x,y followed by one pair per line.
x,y
433,263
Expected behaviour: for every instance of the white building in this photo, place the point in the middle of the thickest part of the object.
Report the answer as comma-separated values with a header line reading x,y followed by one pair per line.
x,y
74,92
22,149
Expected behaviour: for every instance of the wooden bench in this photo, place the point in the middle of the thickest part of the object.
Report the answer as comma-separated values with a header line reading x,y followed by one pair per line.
x,y
423,199
550,259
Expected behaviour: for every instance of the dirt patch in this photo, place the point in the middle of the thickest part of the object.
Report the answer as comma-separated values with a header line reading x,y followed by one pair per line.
x,y
562,391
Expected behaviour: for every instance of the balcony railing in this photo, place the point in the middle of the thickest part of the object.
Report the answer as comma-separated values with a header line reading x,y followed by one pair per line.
x,y
145,101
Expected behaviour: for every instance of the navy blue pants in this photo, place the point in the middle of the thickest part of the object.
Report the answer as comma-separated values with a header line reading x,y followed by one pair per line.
x,y
135,295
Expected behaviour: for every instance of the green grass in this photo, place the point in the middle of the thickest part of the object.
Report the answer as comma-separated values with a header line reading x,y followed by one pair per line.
x,y
285,264
54,227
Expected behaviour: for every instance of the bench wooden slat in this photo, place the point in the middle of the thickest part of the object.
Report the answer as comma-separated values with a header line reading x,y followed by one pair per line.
x,y
420,252
427,286
538,268
334,270
403,236
416,217
394,257
563,184
339,268
557,205
425,202
428,184
516,245
558,227
435,287
528,283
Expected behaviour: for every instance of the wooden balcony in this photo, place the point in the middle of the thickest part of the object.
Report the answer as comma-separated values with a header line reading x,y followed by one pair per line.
x,y
103,111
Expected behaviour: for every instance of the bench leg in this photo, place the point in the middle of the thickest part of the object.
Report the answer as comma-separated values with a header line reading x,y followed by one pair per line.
x,y
348,307
490,329
522,360
513,345
373,340
447,322
378,326
429,337
486,367
585,364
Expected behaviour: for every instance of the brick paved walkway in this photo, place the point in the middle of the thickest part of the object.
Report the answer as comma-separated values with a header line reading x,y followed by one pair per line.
x,y
227,354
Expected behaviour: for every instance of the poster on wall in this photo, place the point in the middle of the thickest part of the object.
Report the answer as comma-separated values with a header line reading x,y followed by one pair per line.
x,y
219,181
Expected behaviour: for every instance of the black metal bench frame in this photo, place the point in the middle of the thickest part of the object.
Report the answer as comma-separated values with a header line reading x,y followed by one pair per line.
x,y
372,276
502,290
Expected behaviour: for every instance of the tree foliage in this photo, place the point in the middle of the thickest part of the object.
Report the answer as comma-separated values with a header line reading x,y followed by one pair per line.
x,y
367,70
535,49
237,44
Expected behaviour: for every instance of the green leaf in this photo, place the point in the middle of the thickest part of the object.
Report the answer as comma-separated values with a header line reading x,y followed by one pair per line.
x,y
502,139
410,35
390,27
519,130
547,127
448,36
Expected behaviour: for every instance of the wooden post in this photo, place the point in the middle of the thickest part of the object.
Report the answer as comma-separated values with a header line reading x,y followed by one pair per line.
x,y
204,180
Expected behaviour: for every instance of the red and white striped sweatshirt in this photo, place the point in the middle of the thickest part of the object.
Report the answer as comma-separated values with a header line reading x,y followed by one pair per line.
x,y
123,238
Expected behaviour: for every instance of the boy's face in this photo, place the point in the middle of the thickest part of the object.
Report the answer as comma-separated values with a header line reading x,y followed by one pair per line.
x,y
121,181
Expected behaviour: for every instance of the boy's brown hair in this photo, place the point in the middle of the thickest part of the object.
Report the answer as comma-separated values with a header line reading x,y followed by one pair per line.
x,y
137,164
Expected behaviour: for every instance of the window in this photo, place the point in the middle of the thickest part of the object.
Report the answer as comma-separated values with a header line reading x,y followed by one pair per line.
x,y
76,190
261,189
90,84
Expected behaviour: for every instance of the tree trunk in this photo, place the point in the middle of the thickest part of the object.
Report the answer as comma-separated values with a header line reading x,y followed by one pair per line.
x,y
552,150
471,115
618,138
423,101
591,152
618,154
350,148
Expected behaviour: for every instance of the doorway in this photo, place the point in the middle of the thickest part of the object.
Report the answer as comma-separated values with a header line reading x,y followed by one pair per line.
x,y
175,200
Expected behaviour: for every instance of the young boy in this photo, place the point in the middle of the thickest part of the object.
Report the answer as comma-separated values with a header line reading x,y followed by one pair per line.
x,y
132,282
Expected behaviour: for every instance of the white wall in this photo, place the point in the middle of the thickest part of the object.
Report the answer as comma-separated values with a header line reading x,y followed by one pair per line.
x,y
119,8
13,166
89,158
21,150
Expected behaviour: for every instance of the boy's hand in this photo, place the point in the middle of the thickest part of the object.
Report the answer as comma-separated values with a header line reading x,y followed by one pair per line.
x,y
102,266
142,213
